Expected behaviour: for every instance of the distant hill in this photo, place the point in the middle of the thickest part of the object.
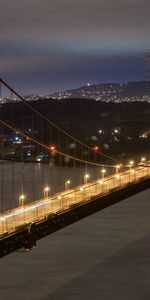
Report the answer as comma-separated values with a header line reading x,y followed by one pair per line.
x,y
110,92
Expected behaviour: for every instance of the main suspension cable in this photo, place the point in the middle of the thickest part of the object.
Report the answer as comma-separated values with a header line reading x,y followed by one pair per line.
x,y
47,148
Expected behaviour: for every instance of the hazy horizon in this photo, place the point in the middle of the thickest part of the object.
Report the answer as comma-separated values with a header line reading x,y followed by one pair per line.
x,y
47,46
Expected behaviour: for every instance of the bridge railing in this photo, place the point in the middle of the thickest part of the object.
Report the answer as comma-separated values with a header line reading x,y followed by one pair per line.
x,y
40,209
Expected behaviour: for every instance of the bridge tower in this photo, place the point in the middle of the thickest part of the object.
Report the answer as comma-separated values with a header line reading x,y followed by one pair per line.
x,y
147,64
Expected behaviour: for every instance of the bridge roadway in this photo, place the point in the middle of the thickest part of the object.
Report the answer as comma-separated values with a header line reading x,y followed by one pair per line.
x,y
12,220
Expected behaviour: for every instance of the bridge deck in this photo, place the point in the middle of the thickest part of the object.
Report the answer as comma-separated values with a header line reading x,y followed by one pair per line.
x,y
12,220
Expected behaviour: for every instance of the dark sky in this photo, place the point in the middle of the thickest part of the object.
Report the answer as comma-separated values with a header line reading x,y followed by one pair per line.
x,y
49,45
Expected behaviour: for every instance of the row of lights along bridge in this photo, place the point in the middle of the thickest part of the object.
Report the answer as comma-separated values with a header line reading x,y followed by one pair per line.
x,y
86,178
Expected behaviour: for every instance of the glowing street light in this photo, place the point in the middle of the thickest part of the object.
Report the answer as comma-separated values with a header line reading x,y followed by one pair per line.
x,y
131,163
116,131
143,159
67,184
86,177
100,131
103,173
21,200
46,191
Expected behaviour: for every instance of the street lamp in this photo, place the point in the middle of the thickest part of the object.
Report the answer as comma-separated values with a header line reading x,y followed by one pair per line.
x,y
86,177
118,177
143,159
82,192
103,173
46,191
21,200
67,184
61,201
134,174
3,219
101,184
131,163
117,168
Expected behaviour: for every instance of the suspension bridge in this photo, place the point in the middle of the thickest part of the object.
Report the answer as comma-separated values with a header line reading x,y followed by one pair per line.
x,y
35,201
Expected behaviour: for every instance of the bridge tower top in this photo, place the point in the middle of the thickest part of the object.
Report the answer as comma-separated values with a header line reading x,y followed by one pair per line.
x,y
147,64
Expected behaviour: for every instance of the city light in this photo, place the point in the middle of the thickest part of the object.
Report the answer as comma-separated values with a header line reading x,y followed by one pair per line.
x,y
39,159
95,148
116,131
100,131
52,147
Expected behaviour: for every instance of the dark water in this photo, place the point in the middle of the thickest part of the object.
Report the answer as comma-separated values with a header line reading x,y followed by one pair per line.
x,y
103,257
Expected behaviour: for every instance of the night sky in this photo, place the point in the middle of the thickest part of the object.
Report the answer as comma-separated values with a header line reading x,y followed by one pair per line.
x,y
51,45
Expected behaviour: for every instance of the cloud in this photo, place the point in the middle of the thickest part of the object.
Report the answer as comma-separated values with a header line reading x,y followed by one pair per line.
x,y
56,18
64,69
66,41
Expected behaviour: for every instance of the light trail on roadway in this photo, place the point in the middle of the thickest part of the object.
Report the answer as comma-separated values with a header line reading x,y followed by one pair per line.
x,y
14,219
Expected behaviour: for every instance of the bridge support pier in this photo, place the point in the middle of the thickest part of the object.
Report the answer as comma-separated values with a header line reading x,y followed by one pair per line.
x,y
30,243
